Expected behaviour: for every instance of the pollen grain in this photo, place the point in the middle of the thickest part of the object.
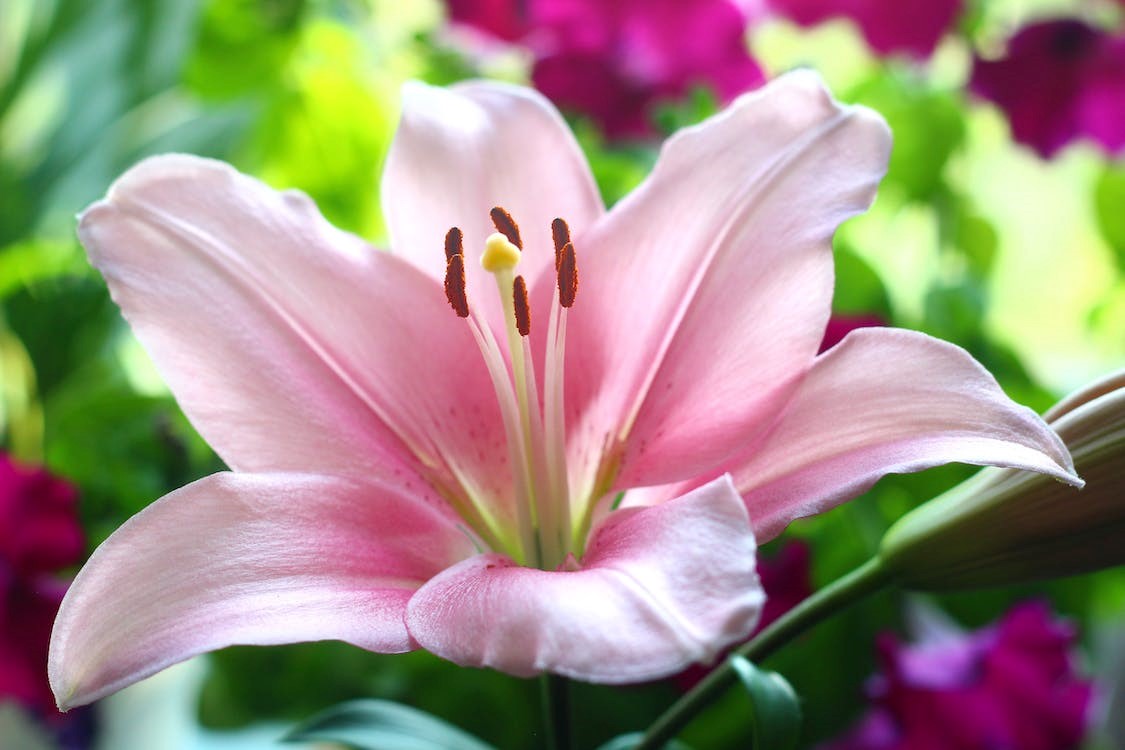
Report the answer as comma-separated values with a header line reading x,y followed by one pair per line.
x,y
455,284
560,233
506,225
521,306
568,275
454,243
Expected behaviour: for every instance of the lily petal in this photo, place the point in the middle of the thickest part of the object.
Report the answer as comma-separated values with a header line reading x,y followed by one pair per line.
x,y
705,317
887,401
293,346
658,589
247,559
460,151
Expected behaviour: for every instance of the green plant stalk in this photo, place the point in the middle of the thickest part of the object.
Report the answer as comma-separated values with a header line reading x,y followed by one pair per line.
x,y
556,711
865,580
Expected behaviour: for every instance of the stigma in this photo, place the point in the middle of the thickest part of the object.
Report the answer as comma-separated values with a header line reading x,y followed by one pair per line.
x,y
500,254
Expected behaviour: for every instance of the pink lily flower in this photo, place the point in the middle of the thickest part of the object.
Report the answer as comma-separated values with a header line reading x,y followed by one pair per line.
x,y
409,475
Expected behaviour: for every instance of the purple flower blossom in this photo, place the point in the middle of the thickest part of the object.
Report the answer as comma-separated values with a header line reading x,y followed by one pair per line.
x,y
1011,685
39,534
912,27
616,62
1059,81
840,326
503,19
786,577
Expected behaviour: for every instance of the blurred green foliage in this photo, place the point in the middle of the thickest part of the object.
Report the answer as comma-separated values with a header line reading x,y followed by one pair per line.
x,y
303,93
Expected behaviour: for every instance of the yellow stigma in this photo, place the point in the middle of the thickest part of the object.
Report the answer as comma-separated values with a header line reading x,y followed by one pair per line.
x,y
499,254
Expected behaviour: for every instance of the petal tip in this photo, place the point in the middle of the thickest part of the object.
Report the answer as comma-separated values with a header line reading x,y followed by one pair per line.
x,y
163,167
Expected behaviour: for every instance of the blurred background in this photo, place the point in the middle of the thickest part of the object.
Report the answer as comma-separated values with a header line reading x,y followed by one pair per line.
x,y
1001,227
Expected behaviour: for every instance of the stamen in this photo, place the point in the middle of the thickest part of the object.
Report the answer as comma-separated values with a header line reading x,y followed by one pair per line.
x,y
568,275
455,284
560,233
521,307
510,414
506,225
454,243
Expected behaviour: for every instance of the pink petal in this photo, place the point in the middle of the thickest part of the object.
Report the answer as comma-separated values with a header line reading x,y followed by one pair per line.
x,y
658,589
291,345
888,401
247,559
705,293
460,151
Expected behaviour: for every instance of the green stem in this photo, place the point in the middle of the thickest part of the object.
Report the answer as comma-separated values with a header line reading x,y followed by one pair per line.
x,y
861,582
556,711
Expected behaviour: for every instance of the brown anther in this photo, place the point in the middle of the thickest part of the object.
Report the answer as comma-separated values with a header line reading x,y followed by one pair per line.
x,y
560,233
568,275
455,285
506,226
454,243
519,303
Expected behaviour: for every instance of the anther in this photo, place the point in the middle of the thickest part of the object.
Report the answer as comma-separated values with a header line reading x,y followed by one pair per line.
x,y
568,275
455,284
454,243
519,303
506,225
560,233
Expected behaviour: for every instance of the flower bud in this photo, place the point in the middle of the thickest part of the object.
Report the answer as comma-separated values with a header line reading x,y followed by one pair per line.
x,y
1005,526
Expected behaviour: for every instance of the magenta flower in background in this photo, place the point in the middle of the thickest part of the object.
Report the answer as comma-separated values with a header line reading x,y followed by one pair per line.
x,y
616,62
503,19
1012,685
911,27
39,535
405,474
840,326
786,578
1059,81
787,581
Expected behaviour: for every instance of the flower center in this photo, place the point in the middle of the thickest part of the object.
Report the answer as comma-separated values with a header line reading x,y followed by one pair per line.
x,y
534,426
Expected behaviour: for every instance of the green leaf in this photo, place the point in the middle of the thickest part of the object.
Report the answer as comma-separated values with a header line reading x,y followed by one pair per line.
x,y
977,240
629,741
383,725
775,708
30,262
928,126
859,290
1109,206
